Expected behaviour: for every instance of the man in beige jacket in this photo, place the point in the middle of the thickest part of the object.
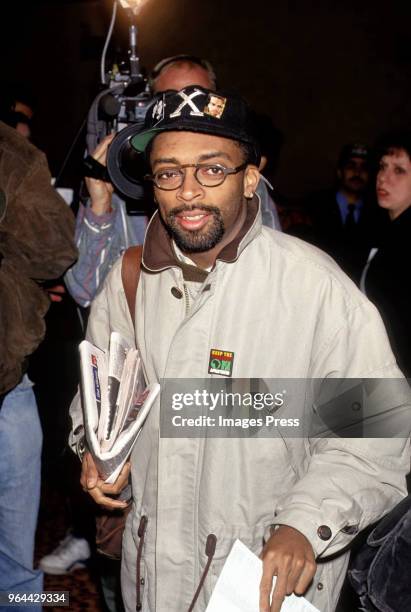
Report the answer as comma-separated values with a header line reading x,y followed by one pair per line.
x,y
213,279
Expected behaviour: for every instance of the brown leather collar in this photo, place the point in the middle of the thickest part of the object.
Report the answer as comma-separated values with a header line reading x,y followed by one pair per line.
x,y
158,253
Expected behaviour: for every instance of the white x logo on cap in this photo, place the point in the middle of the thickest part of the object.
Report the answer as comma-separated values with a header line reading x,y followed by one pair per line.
x,y
188,100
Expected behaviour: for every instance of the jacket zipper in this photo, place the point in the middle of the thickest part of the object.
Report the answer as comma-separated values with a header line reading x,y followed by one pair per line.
x,y
186,298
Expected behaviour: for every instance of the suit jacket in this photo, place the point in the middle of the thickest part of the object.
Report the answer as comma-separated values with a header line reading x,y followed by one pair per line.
x,y
349,248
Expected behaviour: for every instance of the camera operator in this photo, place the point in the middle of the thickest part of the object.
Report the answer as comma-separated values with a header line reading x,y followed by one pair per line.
x,y
104,229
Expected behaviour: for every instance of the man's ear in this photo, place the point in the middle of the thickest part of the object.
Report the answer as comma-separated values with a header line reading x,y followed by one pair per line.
x,y
251,178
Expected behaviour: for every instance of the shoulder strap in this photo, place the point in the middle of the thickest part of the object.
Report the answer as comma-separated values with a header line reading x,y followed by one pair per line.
x,y
130,274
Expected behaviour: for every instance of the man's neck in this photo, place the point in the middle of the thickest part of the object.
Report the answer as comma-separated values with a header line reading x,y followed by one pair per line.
x,y
204,260
185,258
351,196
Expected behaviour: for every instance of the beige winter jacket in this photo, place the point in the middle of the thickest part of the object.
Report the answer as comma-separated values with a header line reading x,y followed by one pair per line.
x,y
286,311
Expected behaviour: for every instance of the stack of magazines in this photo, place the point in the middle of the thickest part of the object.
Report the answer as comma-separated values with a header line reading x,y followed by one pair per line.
x,y
115,400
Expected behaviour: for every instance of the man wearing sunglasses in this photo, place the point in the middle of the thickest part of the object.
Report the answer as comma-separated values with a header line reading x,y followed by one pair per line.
x,y
214,280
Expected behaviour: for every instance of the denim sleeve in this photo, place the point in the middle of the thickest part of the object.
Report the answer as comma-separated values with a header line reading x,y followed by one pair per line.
x,y
98,248
268,208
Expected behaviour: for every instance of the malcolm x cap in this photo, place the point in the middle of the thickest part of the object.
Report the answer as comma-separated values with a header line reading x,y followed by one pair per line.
x,y
195,109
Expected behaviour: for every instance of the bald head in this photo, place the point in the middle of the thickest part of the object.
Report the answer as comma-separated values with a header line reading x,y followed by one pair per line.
x,y
182,73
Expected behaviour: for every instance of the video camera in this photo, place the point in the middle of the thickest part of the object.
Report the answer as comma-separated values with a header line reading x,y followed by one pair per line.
x,y
120,108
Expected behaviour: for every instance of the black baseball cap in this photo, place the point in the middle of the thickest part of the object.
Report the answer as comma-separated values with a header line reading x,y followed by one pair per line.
x,y
196,109
352,150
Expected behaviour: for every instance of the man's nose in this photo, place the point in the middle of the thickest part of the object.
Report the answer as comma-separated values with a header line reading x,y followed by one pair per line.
x,y
190,188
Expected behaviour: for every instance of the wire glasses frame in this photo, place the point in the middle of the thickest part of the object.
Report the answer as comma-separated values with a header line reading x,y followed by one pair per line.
x,y
207,175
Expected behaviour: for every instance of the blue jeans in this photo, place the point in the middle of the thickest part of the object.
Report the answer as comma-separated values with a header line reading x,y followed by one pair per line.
x,y
20,463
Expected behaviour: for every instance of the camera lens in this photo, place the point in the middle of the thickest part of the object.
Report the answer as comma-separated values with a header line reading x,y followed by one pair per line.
x,y
125,166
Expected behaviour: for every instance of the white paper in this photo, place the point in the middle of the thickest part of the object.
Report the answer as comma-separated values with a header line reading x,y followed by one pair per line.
x,y
237,588
65,192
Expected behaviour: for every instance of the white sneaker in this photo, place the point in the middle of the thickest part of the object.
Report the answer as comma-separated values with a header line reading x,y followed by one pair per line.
x,y
69,555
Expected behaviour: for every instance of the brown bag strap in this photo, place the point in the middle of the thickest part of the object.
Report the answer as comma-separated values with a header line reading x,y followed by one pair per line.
x,y
130,274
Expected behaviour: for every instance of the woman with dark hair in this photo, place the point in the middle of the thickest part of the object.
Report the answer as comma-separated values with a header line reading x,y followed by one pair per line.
x,y
386,278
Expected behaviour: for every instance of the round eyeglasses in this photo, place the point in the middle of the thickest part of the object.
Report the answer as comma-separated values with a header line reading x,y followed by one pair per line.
x,y
208,175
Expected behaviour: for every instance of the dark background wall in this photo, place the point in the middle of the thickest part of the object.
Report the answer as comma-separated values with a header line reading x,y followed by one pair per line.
x,y
327,72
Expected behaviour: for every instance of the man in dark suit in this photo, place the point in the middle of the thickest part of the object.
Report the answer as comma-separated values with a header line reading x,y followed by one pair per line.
x,y
341,217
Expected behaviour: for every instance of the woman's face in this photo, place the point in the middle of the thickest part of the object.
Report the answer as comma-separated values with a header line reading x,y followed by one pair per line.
x,y
394,182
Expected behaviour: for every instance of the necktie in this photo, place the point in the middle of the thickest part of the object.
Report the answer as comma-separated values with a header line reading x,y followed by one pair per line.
x,y
350,219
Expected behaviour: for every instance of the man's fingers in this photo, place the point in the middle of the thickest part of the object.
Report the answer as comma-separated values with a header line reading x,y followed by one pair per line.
x,y
98,489
280,590
124,475
294,575
107,502
89,473
100,152
265,590
306,577
290,579
114,488
92,473
121,482
289,556
272,568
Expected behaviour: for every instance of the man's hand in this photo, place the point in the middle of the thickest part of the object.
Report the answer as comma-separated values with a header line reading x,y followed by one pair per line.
x,y
100,191
96,487
289,556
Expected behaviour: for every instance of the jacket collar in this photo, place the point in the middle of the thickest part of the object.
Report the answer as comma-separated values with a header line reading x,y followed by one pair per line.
x,y
158,253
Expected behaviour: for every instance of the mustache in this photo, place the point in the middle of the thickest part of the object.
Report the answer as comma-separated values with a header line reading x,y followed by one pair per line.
x,y
184,208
